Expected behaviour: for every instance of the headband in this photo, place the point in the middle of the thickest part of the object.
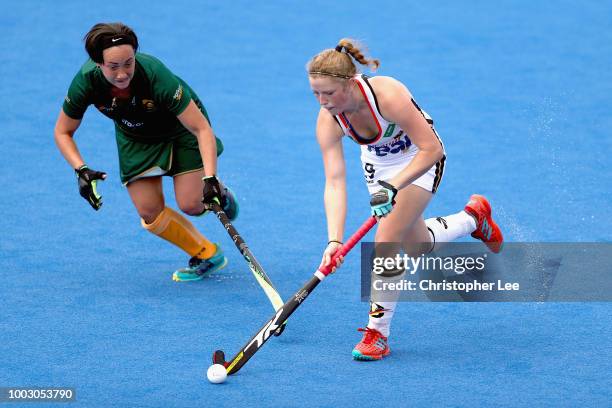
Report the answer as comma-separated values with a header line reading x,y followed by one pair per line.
x,y
331,74
116,40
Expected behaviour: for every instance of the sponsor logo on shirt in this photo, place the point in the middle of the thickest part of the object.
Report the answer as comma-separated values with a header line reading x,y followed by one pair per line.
x,y
105,109
179,93
399,144
130,124
390,130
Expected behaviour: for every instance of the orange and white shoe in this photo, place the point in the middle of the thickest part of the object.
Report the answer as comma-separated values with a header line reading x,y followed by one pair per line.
x,y
373,346
486,229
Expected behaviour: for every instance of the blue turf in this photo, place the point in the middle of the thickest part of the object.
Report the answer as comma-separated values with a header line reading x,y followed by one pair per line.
x,y
521,94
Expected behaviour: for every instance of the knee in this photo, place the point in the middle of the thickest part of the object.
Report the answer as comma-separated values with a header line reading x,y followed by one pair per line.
x,y
149,213
192,207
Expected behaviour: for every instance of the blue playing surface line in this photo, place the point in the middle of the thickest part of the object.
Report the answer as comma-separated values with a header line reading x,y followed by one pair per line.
x,y
520,92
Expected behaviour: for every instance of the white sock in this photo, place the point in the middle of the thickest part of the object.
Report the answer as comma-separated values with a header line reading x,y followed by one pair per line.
x,y
449,228
381,314
442,230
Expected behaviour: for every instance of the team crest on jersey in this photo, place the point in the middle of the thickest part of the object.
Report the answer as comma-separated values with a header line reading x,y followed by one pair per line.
x,y
105,109
149,105
377,311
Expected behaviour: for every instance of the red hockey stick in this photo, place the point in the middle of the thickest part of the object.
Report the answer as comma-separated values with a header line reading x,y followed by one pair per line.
x,y
289,307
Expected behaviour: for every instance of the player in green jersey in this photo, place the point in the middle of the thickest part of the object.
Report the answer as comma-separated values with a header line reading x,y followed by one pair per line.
x,y
161,129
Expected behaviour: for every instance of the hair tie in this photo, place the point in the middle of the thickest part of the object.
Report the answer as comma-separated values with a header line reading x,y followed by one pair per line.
x,y
339,48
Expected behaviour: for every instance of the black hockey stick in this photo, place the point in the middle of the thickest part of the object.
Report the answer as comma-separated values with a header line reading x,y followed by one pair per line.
x,y
282,314
259,273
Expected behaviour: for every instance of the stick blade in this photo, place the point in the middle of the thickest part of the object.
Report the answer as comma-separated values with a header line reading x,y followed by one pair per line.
x,y
219,358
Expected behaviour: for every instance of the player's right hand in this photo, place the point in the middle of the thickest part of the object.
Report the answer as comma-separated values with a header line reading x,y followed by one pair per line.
x,y
332,248
87,181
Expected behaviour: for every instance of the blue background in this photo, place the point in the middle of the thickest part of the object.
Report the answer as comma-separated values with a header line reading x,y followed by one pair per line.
x,y
521,94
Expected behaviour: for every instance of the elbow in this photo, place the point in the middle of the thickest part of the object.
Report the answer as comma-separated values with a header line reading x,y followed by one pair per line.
x,y
335,181
203,134
56,131
60,136
438,153
333,188
57,136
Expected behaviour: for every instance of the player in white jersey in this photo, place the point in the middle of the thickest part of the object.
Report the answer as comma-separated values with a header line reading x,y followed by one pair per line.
x,y
403,163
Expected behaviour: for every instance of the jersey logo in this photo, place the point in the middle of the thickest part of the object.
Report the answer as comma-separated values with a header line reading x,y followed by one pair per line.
x,y
149,105
390,130
399,144
105,109
179,93
131,124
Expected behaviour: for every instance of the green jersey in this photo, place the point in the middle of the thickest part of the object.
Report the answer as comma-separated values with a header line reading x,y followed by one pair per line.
x,y
146,112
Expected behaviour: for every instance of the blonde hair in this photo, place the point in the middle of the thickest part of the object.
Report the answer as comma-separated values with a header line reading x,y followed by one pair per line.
x,y
336,63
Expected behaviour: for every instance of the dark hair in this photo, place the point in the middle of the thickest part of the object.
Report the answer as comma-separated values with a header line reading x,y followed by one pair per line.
x,y
336,63
105,35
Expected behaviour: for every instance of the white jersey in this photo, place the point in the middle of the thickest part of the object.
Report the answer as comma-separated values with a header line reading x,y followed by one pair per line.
x,y
391,150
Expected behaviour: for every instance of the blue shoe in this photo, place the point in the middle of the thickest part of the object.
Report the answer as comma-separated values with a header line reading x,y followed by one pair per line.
x,y
198,268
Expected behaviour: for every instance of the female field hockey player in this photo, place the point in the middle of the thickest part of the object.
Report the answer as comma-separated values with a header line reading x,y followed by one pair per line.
x,y
403,163
161,129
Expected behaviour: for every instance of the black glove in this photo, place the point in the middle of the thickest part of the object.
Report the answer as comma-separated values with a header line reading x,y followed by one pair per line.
x,y
87,181
213,191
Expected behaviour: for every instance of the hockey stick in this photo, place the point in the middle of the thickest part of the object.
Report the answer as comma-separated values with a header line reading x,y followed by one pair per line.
x,y
258,271
282,314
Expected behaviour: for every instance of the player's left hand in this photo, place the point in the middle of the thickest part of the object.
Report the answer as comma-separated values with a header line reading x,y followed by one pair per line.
x,y
383,200
215,192
330,250
212,191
